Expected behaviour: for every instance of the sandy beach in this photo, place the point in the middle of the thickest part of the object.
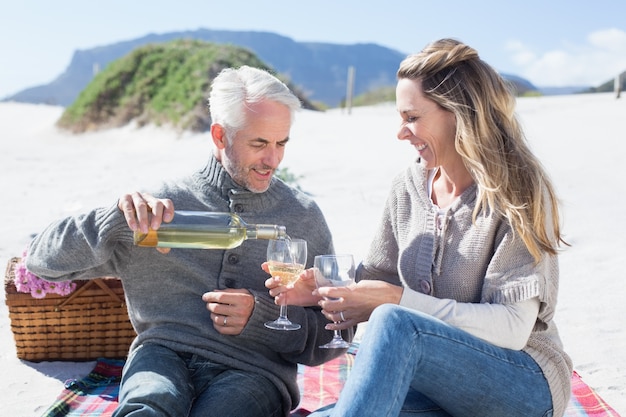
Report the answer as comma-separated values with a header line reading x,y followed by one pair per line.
x,y
346,161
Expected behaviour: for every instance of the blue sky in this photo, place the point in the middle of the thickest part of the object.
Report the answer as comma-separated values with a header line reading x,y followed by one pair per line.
x,y
548,42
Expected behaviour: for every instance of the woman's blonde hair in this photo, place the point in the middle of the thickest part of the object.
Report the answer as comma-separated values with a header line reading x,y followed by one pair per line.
x,y
489,138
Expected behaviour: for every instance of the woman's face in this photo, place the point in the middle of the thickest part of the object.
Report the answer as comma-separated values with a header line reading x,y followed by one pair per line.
x,y
430,129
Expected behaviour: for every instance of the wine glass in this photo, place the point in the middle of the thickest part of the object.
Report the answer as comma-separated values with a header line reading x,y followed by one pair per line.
x,y
286,260
334,271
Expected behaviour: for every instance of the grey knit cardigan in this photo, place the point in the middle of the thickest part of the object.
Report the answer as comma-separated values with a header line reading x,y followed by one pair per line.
x,y
452,258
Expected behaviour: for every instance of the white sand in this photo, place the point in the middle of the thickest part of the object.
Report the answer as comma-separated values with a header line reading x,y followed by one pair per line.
x,y
347,162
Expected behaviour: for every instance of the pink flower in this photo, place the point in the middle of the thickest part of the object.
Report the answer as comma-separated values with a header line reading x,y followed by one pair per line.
x,y
27,282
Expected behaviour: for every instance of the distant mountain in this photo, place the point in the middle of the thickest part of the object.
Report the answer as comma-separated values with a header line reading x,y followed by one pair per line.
x,y
609,86
520,85
320,70
555,91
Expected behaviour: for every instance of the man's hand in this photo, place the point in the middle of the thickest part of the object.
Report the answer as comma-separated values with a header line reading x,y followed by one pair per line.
x,y
230,309
144,211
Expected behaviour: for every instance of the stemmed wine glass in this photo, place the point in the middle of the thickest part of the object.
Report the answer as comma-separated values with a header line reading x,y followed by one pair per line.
x,y
334,271
286,260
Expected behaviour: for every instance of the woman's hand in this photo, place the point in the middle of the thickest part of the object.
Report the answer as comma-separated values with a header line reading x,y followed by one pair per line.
x,y
348,306
299,293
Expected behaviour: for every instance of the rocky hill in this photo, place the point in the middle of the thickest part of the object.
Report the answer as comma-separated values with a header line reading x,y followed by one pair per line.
x,y
161,84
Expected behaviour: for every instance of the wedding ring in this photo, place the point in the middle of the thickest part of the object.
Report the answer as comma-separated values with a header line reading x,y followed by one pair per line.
x,y
341,315
225,317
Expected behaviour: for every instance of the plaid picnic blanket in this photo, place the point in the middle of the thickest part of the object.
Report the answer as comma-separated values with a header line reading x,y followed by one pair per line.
x,y
586,402
96,394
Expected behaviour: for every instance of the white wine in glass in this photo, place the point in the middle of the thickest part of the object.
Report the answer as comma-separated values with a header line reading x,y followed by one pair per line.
x,y
286,259
334,271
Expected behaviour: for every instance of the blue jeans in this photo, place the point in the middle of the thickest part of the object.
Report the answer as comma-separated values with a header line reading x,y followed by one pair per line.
x,y
160,382
411,364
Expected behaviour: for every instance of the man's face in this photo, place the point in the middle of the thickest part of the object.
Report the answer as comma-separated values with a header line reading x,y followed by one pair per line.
x,y
255,152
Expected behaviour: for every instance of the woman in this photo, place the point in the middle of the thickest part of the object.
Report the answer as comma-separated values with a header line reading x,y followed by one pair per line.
x,y
460,283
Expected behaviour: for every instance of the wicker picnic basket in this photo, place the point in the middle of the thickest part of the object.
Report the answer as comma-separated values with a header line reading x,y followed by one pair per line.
x,y
90,323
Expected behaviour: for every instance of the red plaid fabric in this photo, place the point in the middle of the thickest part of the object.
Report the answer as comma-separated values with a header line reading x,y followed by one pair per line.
x,y
586,402
96,394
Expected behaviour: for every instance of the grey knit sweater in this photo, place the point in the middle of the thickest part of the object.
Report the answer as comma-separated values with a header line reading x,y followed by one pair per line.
x,y
163,291
451,258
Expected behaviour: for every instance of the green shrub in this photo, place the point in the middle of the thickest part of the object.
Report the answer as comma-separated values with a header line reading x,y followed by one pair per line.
x,y
163,84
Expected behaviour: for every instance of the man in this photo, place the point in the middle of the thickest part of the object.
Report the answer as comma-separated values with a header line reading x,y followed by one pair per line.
x,y
201,346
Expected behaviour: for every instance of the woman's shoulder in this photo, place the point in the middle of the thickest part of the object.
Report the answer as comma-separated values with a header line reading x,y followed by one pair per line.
x,y
414,174
413,170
